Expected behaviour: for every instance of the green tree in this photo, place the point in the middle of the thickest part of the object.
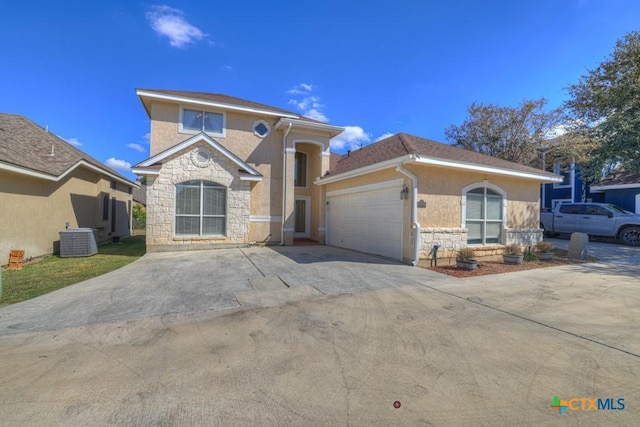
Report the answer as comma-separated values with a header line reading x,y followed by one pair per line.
x,y
509,133
604,106
138,211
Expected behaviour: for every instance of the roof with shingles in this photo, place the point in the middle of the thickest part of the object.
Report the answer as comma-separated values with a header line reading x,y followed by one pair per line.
x,y
402,144
25,144
226,99
620,176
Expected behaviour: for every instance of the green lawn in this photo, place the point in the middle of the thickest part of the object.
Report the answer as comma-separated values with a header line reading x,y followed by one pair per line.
x,y
54,272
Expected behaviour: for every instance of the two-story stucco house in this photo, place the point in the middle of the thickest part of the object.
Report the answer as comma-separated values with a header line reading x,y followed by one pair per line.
x,y
226,172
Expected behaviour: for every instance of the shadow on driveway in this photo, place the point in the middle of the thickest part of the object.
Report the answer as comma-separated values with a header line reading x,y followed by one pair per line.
x,y
190,282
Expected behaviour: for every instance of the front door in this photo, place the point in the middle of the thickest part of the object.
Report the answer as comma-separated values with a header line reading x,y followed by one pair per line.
x,y
302,213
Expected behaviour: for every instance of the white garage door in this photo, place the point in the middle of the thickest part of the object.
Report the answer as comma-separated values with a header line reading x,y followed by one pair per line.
x,y
367,221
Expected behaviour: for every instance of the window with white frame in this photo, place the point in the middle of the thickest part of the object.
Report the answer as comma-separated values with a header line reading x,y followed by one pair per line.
x,y
201,208
261,128
566,171
194,121
484,216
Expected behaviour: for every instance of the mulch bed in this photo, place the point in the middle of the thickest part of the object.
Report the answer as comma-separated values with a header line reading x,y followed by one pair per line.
x,y
496,267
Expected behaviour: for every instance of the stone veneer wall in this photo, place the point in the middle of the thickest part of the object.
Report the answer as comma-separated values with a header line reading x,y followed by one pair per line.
x,y
449,239
453,239
523,236
161,193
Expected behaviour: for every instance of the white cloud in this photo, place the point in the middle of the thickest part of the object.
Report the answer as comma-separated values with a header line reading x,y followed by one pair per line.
x,y
74,142
309,105
352,138
316,115
383,136
301,89
169,22
146,137
137,147
118,164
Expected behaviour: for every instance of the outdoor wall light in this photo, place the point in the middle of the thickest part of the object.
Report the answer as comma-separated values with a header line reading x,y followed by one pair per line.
x,y
404,193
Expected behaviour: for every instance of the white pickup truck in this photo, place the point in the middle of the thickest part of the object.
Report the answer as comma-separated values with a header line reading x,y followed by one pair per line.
x,y
595,219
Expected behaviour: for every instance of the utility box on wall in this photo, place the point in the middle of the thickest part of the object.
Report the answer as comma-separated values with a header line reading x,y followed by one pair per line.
x,y
78,242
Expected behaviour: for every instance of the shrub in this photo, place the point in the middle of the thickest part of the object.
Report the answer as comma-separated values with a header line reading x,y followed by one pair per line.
x,y
543,247
466,254
513,249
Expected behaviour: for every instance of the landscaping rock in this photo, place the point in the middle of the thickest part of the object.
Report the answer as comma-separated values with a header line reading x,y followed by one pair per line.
x,y
579,246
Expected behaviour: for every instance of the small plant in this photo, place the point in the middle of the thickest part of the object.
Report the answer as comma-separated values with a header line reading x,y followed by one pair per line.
x,y
466,254
544,247
512,249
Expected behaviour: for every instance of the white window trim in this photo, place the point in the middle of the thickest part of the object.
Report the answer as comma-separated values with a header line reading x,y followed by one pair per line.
x,y
258,122
181,129
201,215
489,186
572,175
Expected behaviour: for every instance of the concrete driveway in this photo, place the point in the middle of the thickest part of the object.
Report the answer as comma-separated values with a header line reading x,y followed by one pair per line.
x,y
184,283
607,251
493,350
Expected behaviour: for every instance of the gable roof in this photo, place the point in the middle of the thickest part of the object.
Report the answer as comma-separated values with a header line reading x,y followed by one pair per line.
x,y
618,178
421,150
152,165
218,99
25,147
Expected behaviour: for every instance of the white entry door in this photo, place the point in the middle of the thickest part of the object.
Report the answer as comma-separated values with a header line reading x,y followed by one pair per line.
x,y
367,221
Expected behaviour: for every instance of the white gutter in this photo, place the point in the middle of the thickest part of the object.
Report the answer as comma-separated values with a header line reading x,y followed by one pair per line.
x,y
203,102
414,213
488,169
364,170
284,181
600,188
309,125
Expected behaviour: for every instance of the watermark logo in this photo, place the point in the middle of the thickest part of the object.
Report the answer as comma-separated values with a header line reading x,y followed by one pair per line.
x,y
587,404
559,405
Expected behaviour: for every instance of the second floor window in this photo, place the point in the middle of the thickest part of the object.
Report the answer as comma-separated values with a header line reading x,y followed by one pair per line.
x,y
202,121
564,170
300,170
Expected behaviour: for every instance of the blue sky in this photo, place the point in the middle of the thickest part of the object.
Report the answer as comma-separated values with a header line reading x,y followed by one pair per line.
x,y
376,67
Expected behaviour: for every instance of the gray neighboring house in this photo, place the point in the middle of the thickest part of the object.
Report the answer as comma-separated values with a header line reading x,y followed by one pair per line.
x,y
45,183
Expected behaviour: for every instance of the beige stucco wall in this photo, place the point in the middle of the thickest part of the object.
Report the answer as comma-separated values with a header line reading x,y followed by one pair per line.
x,y
263,154
441,219
161,193
34,211
441,189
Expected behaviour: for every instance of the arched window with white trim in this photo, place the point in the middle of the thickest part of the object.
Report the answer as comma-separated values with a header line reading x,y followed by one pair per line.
x,y
484,216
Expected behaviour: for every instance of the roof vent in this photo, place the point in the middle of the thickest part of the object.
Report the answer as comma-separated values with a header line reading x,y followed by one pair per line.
x,y
53,151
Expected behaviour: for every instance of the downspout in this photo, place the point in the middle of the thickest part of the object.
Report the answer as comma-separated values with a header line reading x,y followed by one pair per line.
x,y
284,181
414,213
